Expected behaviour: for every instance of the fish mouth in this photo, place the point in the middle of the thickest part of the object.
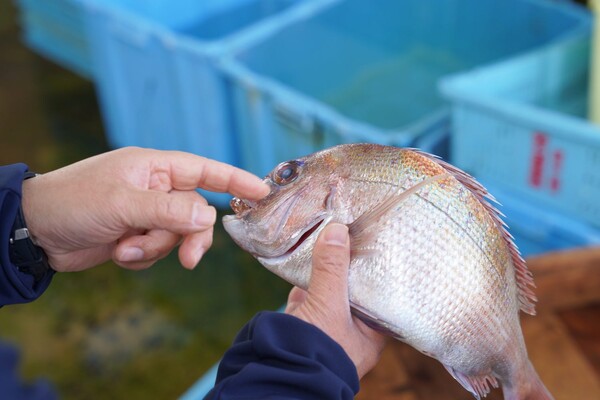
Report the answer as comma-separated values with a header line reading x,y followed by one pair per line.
x,y
309,232
312,229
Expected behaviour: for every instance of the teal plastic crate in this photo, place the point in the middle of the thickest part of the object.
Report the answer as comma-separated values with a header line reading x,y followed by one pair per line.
x,y
538,230
354,72
521,125
56,29
159,81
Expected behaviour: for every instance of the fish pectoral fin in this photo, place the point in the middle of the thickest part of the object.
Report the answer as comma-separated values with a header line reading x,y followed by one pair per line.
x,y
479,386
361,233
373,322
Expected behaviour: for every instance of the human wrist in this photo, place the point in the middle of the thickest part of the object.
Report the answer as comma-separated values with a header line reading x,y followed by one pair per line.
x,y
29,191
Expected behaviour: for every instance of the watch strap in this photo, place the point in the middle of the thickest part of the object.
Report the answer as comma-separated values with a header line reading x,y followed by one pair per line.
x,y
27,257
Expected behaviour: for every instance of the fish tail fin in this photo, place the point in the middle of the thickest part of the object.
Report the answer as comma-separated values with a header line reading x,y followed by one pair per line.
x,y
529,387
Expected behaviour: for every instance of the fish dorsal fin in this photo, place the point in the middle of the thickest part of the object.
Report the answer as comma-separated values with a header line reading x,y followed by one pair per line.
x,y
360,231
524,277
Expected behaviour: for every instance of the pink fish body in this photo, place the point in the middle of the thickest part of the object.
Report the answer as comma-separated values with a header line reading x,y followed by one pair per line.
x,y
432,263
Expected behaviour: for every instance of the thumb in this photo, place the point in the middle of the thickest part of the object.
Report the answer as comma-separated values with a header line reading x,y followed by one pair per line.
x,y
330,262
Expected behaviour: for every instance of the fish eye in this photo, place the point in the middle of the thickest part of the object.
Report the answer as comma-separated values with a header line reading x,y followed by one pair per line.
x,y
286,172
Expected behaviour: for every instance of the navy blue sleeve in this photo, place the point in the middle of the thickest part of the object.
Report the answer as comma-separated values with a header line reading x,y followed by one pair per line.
x,y
11,384
278,356
15,286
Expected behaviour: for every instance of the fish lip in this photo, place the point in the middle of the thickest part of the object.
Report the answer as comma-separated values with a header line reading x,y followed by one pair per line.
x,y
319,223
233,225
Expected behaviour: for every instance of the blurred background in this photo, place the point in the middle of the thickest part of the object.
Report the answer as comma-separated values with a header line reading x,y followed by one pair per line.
x,y
505,90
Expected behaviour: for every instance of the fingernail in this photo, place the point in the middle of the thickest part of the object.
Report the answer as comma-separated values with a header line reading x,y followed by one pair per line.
x,y
204,215
132,254
336,234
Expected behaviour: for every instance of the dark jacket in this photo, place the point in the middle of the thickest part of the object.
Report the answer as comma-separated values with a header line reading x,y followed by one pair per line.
x,y
277,356
15,286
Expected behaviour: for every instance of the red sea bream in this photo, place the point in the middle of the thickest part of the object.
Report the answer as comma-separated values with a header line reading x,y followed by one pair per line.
x,y
432,262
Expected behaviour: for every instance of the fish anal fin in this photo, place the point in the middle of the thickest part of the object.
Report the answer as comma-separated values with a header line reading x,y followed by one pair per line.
x,y
526,297
479,386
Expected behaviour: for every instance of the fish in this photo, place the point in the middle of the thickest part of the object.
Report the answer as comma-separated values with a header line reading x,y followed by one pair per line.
x,y
432,262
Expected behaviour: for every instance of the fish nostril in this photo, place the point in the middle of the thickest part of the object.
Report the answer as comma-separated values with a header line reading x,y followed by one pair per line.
x,y
238,205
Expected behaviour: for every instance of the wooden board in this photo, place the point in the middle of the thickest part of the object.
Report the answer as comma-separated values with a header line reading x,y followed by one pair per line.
x,y
566,280
558,359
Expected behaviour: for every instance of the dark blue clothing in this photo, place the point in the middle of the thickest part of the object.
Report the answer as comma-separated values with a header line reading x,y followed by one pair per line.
x,y
277,356
11,386
15,286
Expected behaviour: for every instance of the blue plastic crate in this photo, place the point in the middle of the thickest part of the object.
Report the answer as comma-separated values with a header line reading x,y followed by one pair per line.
x,y
158,79
521,125
56,30
355,72
539,230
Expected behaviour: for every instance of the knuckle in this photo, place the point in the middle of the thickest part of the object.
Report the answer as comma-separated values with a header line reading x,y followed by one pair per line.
x,y
167,208
331,259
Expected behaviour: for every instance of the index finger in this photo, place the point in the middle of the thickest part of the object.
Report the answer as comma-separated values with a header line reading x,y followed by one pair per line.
x,y
189,171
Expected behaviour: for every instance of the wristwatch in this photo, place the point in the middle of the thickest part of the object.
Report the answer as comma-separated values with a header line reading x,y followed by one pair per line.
x,y
24,253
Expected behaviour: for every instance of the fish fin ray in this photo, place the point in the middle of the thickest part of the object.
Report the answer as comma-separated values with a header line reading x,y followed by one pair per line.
x,y
362,252
360,229
525,284
478,386
373,322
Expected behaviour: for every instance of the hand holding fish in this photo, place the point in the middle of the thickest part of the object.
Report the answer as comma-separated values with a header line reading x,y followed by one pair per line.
x,y
132,205
325,304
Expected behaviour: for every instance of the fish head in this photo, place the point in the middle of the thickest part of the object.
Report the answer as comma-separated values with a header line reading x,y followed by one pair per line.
x,y
281,228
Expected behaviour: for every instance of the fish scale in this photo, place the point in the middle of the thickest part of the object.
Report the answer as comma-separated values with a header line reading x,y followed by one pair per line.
x,y
432,263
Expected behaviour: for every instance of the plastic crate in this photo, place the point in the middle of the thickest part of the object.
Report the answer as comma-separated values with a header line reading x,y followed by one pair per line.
x,y
158,79
56,30
594,109
520,125
354,72
539,230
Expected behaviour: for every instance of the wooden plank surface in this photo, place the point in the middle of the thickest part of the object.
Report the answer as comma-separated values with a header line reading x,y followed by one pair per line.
x,y
566,279
390,380
584,327
558,359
